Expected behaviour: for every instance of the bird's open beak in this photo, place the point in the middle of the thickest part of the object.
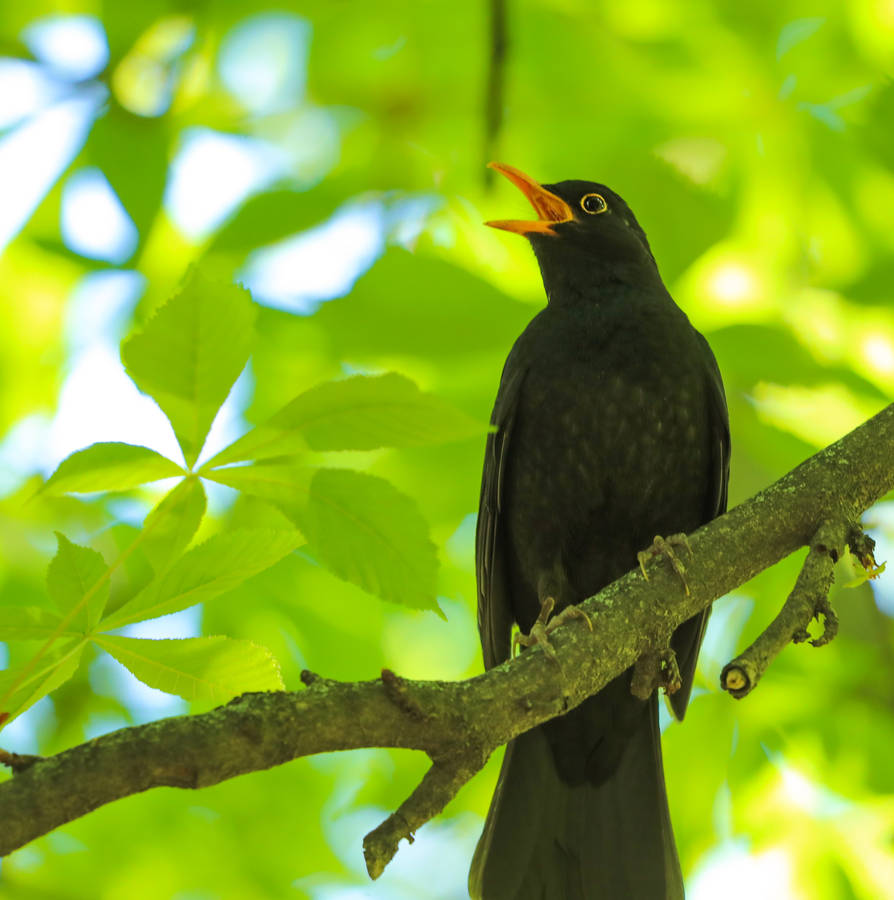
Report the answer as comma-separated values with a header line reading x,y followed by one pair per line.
x,y
550,208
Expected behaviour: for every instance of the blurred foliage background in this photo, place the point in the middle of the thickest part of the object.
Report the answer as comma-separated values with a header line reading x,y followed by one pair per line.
x,y
330,157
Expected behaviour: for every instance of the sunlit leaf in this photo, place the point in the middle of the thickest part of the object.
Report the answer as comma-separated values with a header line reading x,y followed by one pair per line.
x,y
205,668
262,442
863,575
286,485
23,686
22,623
210,569
132,152
189,354
110,467
170,527
369,533
77,580
365,412
271,216
420,306
358,413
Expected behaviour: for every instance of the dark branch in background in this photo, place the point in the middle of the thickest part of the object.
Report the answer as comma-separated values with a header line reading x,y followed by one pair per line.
x,y
458,724
493,98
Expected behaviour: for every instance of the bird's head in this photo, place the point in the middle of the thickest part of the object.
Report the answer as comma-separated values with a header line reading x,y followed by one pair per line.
x,y
581,226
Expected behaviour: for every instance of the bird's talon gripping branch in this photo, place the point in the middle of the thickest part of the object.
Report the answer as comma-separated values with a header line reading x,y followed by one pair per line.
x,y
571,612
539,632
665,547
544,626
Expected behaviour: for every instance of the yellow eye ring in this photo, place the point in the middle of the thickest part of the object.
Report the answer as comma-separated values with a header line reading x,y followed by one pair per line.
x,y
593,204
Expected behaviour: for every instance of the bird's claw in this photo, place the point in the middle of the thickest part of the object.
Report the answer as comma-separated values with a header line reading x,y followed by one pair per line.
x,y
540,630
665,547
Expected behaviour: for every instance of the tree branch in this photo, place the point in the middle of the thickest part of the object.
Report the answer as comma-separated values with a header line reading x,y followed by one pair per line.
x,y
493,97
458,724
808,600
439,786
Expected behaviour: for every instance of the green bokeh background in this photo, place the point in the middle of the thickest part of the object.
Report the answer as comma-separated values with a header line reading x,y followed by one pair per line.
x,y
755,143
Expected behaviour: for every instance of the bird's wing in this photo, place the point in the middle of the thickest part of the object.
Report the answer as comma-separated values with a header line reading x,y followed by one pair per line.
x,y
494,602
687,639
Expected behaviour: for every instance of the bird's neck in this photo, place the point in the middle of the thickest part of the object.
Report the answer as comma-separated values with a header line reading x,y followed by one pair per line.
x,y
599,279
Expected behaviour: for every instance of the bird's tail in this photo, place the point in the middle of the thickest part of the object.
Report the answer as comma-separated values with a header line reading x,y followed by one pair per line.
x,y
547,840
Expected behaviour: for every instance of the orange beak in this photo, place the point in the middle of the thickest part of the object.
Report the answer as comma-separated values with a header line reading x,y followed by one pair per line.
x,y
550,208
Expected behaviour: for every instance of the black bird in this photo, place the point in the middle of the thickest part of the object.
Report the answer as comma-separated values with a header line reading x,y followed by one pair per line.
x,y
611,428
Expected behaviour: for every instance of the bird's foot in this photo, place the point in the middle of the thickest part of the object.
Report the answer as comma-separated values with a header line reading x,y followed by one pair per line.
x,y
539,633
665,547
655,670
541,629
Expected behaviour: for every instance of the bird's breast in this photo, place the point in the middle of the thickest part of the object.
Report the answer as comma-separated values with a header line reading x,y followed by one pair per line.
x,y
608,449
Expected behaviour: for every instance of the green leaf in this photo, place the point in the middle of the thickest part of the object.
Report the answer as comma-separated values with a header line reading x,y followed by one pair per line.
x,y
76,580
271,216
132,152
218,565
170,527
110,467
22,687
796,32
367,532
410,304
262,442
25,623
360,527
366,412
190,353
862,575
206,668
286,485
362,412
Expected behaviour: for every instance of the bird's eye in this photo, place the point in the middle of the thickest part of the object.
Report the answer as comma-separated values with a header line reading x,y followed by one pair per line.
x,y
593,204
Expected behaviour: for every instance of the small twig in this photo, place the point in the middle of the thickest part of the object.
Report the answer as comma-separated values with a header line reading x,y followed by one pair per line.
x,y
18,762
398,692
312,680
808,600
830,623
439,786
